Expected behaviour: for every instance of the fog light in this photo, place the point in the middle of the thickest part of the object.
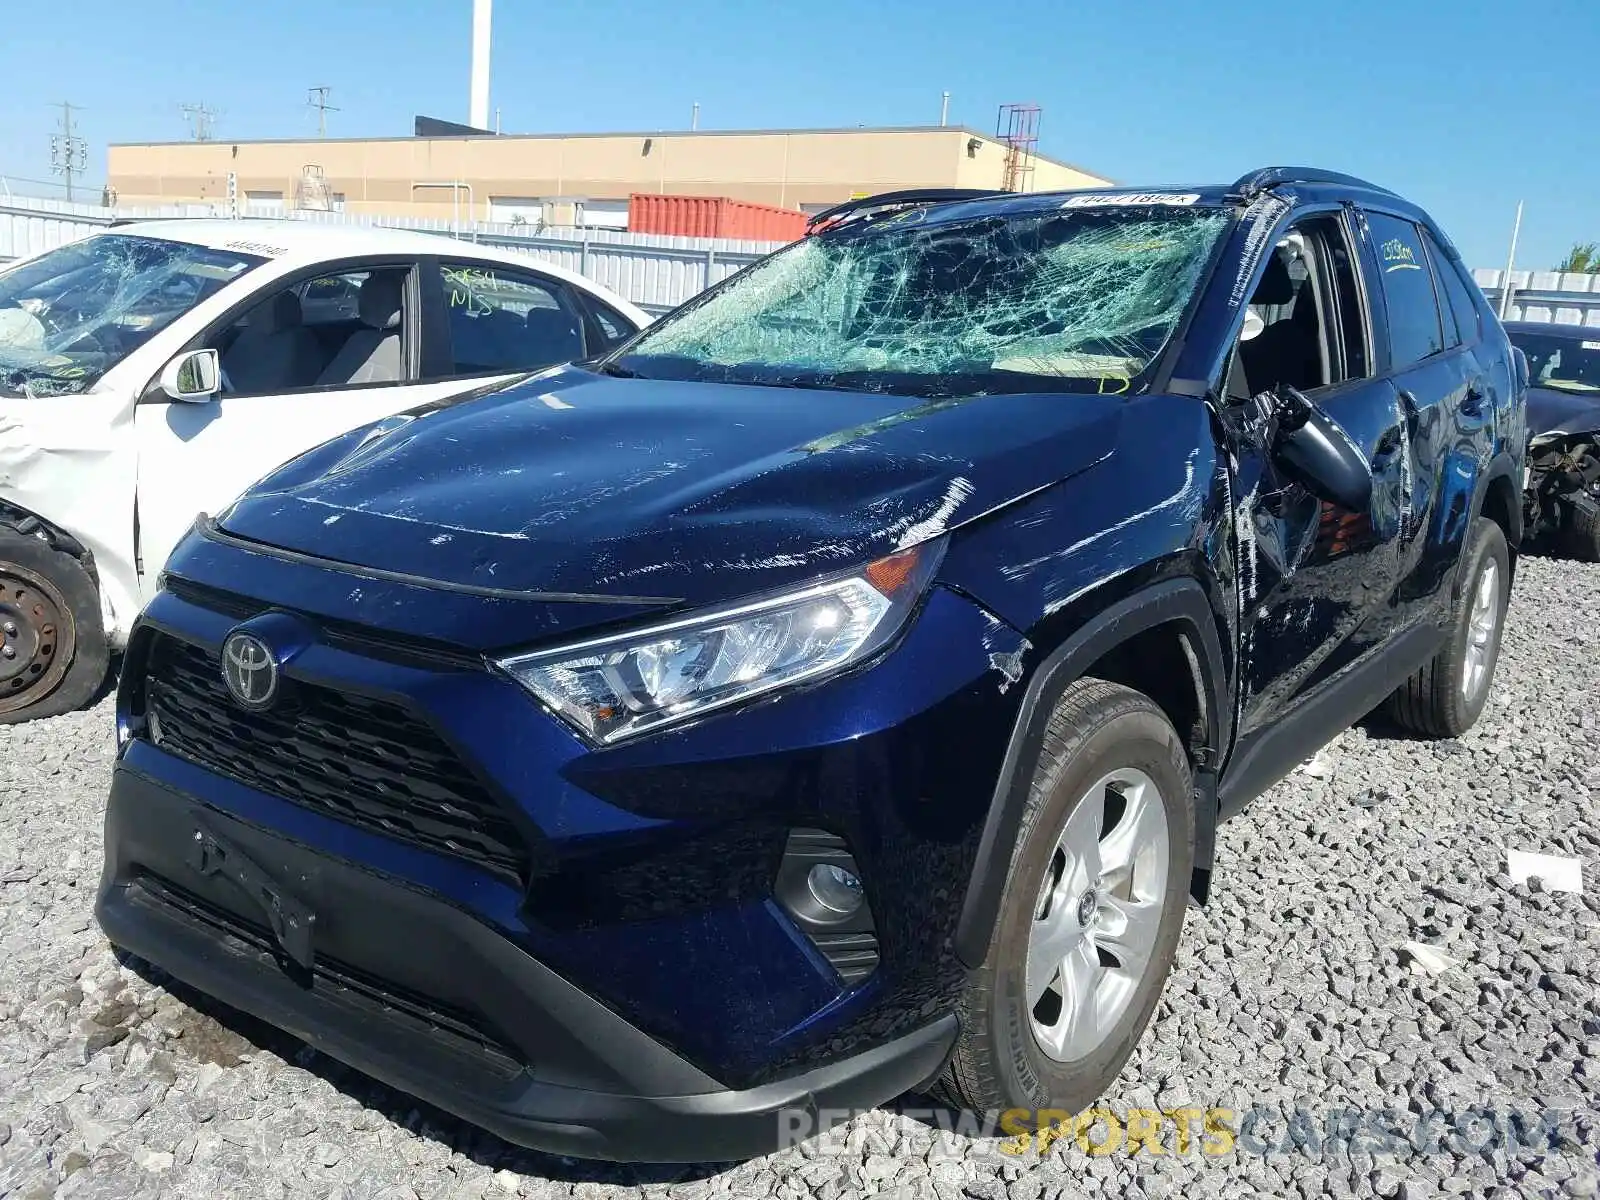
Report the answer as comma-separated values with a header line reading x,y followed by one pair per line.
x,y
837,890
820,885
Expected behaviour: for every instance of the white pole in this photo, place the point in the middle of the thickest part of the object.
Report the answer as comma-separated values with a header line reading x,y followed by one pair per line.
x,y
1511,260
694,116
480,64
944,111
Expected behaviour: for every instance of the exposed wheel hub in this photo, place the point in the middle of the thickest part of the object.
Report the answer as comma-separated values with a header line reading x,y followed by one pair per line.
x,y
1087,904
31,624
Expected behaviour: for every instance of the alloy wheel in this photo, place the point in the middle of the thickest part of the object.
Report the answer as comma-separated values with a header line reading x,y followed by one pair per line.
x,y
1482,629
1098,914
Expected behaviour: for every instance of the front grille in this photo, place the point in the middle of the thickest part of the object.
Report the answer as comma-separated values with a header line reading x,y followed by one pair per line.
x,y
369,763
340,980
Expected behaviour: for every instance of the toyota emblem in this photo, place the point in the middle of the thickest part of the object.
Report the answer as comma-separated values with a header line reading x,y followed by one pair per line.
x,y
250,671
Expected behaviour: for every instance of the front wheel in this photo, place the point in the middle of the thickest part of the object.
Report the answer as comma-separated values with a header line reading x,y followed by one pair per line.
x,y
53,653
1089,922
1445,698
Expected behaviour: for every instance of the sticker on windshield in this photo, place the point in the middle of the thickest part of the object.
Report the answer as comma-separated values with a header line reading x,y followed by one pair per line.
x,y
1591,345
1131,200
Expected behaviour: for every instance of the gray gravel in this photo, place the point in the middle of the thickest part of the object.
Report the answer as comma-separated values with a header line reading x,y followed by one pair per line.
x,y
1292,994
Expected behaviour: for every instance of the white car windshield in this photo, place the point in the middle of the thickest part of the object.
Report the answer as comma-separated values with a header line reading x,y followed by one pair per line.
x,y
69,316
1069,300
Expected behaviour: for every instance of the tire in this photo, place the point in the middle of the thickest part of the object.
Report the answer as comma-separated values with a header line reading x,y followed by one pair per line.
x,y
53,653
1001,1061
1580,537
1437,702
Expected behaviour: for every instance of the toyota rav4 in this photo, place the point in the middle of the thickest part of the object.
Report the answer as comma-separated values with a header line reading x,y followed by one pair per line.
x,y
834,690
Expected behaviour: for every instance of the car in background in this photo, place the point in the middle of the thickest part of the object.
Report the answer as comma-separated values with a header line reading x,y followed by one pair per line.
x,y
1562,493
833,691
150,372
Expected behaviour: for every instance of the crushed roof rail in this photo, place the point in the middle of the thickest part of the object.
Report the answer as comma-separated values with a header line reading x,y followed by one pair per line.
x,y
907,198
1265,178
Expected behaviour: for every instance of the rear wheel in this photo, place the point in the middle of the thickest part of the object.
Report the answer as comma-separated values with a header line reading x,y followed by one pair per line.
x,y
1445,698
1093,907
53,654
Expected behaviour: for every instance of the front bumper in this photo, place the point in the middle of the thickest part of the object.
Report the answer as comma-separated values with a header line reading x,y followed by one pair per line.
x,y
423,996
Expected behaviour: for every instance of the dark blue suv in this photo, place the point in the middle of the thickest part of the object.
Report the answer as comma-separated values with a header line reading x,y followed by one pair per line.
x,y
833,691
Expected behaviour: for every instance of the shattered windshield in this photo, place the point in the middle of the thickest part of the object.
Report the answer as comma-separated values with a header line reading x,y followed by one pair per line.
x,y
1567,363
69,316
1077,300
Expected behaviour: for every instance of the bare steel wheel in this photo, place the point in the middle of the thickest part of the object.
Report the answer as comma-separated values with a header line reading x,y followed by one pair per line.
x,y
1100,906
53,654
34,624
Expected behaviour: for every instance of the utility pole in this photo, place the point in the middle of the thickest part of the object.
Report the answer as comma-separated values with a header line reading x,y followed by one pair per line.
x,y
944,111
69,153
1511,262
199,119
694,116
317,98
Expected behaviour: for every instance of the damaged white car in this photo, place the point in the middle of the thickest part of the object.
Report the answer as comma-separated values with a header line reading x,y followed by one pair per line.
x,y
153,371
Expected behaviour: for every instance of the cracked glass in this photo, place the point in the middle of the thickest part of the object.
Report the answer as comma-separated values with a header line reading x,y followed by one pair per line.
x,y
1080,300
69,316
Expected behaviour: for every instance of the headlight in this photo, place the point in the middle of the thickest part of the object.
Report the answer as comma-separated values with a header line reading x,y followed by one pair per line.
x,y
613,688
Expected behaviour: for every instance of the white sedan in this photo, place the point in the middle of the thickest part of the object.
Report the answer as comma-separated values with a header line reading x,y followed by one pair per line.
x,y
155,370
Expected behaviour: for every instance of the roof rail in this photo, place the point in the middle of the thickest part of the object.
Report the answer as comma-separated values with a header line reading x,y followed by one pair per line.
x,y
1266,178
909,198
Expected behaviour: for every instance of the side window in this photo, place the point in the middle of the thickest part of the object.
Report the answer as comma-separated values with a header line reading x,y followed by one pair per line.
x,y
508,320
1415,331
1463,312
1304,327
613,329
337,330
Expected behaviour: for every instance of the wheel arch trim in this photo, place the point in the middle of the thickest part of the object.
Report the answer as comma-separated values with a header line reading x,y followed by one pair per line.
x,y
1173,601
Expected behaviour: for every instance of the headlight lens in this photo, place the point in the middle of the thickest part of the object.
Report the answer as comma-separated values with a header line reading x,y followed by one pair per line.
x,y
614,688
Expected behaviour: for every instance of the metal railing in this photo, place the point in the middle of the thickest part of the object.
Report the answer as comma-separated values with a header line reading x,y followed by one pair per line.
x,y
653,271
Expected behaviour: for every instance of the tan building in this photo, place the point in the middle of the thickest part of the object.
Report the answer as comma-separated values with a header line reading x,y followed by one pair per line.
x,y
573,178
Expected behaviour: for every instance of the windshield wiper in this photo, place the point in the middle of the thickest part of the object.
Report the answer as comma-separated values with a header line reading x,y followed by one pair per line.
x,y
618,372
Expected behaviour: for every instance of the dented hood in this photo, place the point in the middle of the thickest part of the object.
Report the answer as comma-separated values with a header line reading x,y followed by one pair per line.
x,y
684,492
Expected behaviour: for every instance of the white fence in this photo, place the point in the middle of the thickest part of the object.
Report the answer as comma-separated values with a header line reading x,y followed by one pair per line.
x,y
1560,297
655,272
658,273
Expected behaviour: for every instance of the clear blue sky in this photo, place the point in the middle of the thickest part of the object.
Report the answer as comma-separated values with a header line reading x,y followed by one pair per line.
x,y
1463,105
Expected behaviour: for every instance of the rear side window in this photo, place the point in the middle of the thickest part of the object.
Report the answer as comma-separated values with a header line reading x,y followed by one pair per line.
x,y
1462,312
1415,330
508,320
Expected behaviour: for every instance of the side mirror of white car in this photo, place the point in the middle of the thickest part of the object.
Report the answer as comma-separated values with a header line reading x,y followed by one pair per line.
x,y
194,377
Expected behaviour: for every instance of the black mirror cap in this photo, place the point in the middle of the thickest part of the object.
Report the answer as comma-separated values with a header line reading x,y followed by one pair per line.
x,y
1316,453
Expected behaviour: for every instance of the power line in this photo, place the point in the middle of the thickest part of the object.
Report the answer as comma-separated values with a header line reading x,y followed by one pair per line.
x,y
199,119
69,153
317,98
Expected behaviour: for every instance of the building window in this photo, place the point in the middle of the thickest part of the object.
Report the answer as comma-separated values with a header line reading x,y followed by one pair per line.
x,y
516,210
263,204
603,214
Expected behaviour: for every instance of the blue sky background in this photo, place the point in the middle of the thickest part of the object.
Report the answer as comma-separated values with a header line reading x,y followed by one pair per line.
x,y
1464,107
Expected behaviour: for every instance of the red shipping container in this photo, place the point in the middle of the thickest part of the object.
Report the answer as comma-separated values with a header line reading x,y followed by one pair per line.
x,y
713,216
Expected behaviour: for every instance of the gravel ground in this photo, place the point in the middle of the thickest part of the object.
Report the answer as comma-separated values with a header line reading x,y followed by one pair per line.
x,y
1292,995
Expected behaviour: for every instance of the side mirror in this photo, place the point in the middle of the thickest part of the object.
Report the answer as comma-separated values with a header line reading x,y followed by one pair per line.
x,y
194,377
1313,451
